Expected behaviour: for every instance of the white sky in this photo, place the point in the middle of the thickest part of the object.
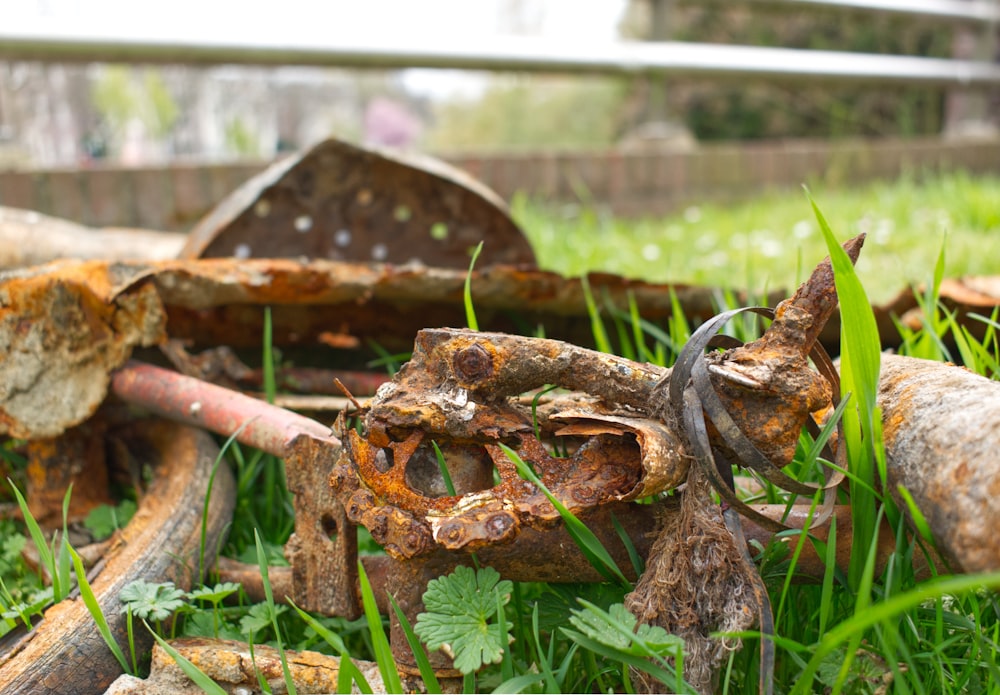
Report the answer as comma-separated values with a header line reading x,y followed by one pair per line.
x,y
579,20
582,19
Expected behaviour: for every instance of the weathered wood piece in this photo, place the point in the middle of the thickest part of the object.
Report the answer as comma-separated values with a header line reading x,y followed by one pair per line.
x,y
231,665
31,238
65,652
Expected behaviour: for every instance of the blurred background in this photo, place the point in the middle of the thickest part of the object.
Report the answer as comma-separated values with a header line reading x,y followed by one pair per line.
x,y
54,114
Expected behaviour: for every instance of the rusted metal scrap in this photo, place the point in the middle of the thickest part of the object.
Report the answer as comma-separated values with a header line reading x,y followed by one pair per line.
x,y
65,326
63,329
342,202
940,422
458,391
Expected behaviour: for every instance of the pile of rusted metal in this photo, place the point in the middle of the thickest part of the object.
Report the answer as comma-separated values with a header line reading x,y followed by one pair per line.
x,y
109,365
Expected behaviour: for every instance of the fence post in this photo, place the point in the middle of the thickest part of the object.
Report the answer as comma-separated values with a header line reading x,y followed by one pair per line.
x,y
967,111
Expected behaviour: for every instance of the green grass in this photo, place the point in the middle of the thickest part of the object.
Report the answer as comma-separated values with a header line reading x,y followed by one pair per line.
x,y
771,242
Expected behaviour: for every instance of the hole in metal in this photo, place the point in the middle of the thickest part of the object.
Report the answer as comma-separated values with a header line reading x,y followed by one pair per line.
x,y
329,525
401,213
303,223
469,467
342,237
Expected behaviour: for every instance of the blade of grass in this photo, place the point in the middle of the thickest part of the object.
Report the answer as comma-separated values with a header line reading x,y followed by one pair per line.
x,y
45,558
197,676
633,554
830,560
585,539
61,556
470,310
348,670
94,608
860,365
269,599
380,643
203,537
443,467
507,661
637,662
267,358
885,610
419,653
601,340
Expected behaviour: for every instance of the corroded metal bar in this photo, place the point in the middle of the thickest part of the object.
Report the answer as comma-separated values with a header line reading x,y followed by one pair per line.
x,y
939,423
214,408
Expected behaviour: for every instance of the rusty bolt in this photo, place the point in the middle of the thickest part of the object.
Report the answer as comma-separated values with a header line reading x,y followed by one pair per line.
x,y
473,363
361,502
498,526
338,478
451,534
415,540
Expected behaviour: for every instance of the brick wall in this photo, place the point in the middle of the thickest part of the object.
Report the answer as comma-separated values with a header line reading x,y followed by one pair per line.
x,y
630,182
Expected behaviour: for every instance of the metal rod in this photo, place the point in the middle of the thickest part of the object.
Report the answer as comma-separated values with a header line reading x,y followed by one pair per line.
x,y
54,42
951,10
194,402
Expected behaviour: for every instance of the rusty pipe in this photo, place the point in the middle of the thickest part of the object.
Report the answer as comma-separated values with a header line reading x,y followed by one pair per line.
x,y
184,399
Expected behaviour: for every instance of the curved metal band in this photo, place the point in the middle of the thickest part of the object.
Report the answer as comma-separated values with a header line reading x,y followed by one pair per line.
x,y
699,399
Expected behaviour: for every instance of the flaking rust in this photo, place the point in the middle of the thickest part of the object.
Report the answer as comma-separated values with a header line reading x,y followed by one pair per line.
x,y
65,326
462,391
462,396
63,329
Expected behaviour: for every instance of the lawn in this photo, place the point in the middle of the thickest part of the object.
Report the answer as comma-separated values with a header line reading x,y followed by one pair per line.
x,y
770,242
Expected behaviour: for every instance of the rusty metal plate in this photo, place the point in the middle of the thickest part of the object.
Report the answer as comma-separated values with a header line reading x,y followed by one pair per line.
x,y
63,329
342,202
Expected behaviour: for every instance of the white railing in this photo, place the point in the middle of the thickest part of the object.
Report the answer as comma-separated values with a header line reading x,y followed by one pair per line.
x,y
309,44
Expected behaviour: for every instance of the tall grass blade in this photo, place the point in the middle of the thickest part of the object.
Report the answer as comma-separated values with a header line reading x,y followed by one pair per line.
x,y
886,610
267,358
601,340
94,608
419,653
269,599
830,565
197,676
443,467
348,670
470,310
584,538
638,564
203,536
380,643
860,364
45,558
62,558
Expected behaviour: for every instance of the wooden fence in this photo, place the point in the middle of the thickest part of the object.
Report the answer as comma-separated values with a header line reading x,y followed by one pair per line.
x,y
628,182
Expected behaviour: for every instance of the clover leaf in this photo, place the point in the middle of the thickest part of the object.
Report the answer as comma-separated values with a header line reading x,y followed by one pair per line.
x,y
616,628
151,601
214,594
459,609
